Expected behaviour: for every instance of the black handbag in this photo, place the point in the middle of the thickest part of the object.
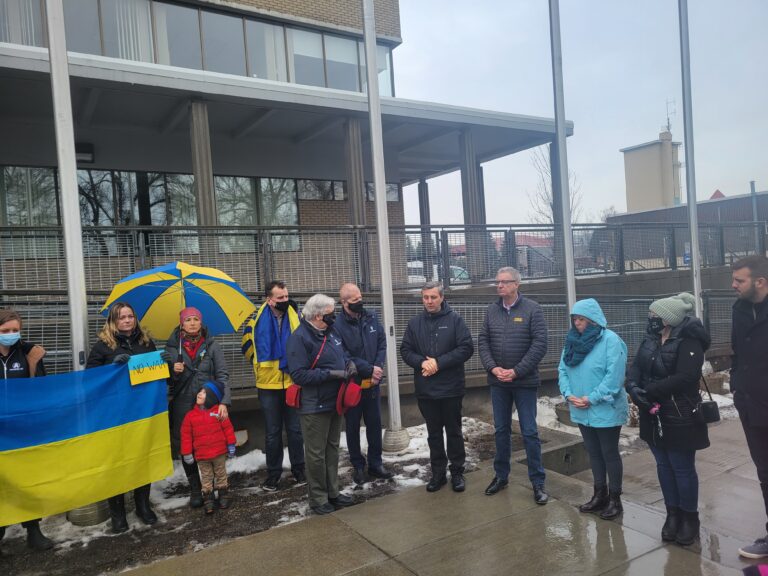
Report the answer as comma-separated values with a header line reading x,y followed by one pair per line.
x,y
706,411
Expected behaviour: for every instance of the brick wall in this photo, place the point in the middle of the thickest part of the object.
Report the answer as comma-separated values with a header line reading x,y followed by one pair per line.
x,y
347,13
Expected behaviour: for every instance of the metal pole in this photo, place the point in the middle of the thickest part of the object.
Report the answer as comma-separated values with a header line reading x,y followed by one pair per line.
x,y
756,228
65,151
395,436
690,170
562,154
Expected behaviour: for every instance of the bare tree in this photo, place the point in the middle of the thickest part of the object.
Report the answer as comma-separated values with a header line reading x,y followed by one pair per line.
x,y
606,213
541,199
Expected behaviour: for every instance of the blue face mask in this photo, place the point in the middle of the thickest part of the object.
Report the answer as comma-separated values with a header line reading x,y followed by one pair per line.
x,y
10,339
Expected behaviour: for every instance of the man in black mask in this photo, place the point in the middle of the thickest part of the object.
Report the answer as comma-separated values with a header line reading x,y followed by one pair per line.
x,y
364,339
264,344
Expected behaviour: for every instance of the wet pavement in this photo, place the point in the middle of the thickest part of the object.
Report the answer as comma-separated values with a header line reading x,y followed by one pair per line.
x,y
445,533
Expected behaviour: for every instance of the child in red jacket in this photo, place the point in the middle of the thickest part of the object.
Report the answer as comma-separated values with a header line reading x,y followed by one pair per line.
x,y
209,440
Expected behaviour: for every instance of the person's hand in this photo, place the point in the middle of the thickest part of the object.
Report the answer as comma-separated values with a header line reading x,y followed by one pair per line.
x,y
575,401
188,459
639,397
121,359
503,374
377,375
166,357
351,370
429,367
178,367
223,412
231,450
337,374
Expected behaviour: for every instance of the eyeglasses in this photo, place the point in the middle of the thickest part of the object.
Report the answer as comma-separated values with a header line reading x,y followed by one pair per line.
x,y
505,282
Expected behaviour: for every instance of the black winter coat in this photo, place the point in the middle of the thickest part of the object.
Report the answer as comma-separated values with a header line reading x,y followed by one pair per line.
x,y
318,389
749,367
364,340
670,374
17,364
445,337
516,339
101,354
209,364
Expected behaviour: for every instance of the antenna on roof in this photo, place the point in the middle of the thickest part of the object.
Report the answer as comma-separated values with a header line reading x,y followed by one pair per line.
x,y
671,111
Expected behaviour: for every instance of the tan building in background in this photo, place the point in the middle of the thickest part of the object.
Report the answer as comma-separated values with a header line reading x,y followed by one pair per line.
x,y
652,174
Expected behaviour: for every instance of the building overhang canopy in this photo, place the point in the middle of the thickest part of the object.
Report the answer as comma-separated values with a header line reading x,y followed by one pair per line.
x,y
421,139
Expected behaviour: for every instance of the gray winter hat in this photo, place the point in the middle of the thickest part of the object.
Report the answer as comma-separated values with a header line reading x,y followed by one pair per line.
x,y
674,309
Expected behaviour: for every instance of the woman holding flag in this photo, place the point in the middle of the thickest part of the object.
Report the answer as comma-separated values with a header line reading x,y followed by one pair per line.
x,y
122,337
196,358
20,359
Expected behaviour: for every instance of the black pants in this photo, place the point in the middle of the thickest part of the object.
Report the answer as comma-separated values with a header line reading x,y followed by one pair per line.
x,y
602,444
757,440
439,414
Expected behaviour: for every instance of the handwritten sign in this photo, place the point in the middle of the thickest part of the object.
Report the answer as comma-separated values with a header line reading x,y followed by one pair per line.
x,y
147,368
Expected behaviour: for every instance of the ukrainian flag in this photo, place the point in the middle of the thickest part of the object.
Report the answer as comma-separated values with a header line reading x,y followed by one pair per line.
x,y
73,439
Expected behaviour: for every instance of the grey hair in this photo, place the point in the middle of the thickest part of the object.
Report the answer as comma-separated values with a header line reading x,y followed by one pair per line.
x,y
511,271
433,284
316,306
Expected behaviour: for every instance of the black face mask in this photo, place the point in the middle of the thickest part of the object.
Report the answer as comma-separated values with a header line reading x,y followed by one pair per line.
x,y
329,319
282,306
655,325
356,307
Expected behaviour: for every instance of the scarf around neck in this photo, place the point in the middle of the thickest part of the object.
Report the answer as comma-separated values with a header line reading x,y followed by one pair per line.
x,y
577,346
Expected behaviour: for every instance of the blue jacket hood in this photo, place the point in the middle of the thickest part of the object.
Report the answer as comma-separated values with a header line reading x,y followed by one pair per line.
x,y
589,308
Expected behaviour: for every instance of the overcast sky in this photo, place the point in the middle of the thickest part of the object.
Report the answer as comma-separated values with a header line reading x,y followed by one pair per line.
x,y
621,61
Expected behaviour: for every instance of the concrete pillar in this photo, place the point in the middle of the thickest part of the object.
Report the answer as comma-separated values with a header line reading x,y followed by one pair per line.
x,y
476,240
202,166
427,253
425,219
481,194
353,160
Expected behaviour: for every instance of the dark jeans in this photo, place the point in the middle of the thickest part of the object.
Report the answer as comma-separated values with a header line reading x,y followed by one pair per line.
x,y
602,444
677,477
524,399
757,440
369,409
276,414
445,413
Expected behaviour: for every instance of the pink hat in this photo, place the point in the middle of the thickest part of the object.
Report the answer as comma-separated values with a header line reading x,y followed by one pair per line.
x,y
189,311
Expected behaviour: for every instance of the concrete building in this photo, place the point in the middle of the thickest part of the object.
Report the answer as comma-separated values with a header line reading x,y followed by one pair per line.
x,y
652,174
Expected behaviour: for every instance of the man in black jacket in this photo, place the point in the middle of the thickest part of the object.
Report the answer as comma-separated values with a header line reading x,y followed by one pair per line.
x,y
436,345
366,343
512,342
749,338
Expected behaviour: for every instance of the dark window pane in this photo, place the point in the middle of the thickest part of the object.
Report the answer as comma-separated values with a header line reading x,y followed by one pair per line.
x,y
124,186
235,201
28,197
223,43
341,63
97,201
81,23
305,50
266,50
315,190
127,29
393,192
181,195
278,206
178,36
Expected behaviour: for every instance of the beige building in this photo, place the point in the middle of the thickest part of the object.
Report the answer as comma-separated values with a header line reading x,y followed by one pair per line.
x,y
652,174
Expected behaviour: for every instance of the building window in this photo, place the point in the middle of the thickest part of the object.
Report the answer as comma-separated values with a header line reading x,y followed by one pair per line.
x,y
320,190
278,207
341,63
305,57
81,24
28,197
383,63
266,51
235,201
127,29
223,43
21,22
178,36
393,192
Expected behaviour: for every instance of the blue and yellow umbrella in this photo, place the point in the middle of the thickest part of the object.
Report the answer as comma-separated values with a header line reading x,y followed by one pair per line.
x,y
159,294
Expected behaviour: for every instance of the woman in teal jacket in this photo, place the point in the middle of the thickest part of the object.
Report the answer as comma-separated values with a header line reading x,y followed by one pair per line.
x,y
592,369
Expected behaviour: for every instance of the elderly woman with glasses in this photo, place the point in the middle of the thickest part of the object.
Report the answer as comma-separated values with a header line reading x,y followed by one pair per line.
x,y
318,363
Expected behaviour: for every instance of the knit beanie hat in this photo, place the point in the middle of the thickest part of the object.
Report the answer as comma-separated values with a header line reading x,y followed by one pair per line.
x,y
213,392
674,309
189,311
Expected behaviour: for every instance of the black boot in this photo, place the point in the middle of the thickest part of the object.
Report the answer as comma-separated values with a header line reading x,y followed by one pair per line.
x,y
613,508
224,498
671,524
193,477
35,538
209,502
598,502
143,508
117,513
437,481
689,528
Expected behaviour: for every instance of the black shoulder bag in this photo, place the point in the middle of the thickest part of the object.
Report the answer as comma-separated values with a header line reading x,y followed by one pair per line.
x,y
706,411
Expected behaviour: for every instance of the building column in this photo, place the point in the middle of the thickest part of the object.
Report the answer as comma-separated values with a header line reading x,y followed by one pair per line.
x,y
202,165
476,241
481,194
353,161
427,253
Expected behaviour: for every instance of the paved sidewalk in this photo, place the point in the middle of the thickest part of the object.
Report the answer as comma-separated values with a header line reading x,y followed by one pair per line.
x,y
414,532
